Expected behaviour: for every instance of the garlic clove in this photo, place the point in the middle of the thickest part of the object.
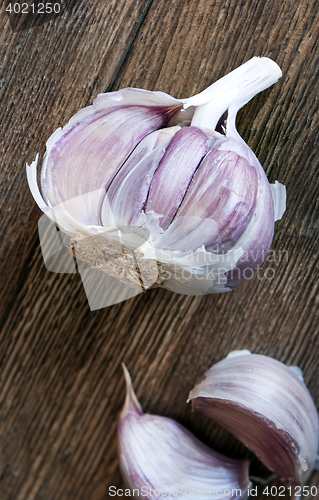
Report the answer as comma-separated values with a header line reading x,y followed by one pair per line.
x,y
224,189
175,172
159,457
266,405
122,198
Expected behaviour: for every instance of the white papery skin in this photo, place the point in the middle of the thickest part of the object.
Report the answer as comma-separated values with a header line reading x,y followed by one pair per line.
x,y
157,453
114,193
267,406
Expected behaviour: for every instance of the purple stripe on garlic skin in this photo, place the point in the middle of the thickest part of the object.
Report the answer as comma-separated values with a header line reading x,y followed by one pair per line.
x,y
157,453
265,405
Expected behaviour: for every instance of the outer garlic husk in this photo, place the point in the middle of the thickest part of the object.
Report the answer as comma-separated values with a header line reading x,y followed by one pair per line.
x,y
128,176
267,406
160,458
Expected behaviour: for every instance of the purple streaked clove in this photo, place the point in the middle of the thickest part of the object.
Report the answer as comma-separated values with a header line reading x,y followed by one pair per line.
x,y
159,458
267,406
169,178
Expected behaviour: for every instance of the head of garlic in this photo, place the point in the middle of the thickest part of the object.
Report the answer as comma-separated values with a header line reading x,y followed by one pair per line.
x,y
167,180
159,458
267,406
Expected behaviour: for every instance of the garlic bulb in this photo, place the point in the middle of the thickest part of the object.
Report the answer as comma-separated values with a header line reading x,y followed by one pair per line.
x,y
168,181
159,458
267,406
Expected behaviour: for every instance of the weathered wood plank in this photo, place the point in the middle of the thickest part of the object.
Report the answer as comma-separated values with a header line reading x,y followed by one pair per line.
x,y
61,384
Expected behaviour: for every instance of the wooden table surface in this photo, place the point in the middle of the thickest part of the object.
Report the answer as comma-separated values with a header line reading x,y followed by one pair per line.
x,y
61,385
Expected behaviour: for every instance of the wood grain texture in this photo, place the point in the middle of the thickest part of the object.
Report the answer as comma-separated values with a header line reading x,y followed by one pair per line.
x,y
61,384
